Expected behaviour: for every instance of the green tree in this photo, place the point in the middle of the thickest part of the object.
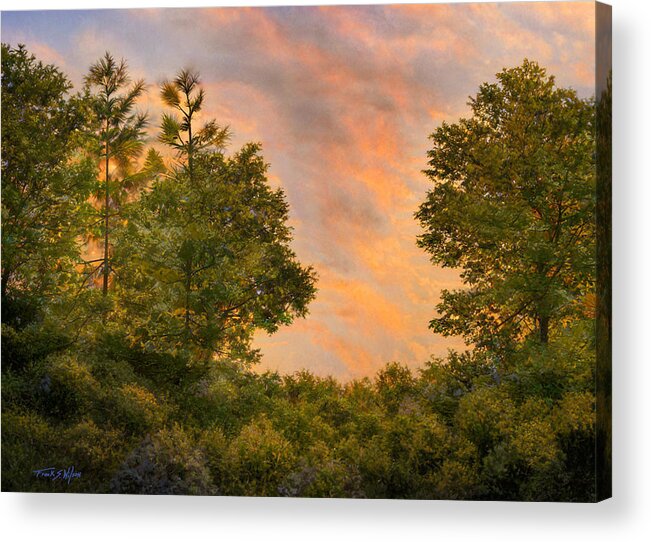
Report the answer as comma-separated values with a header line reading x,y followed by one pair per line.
x,y
121,135
206,251
46,182
185,97
513,207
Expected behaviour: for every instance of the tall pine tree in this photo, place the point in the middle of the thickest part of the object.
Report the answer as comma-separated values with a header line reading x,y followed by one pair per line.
x,y
121,135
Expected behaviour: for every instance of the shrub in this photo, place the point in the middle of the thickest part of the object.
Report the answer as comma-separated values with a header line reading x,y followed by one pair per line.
x,y
165,463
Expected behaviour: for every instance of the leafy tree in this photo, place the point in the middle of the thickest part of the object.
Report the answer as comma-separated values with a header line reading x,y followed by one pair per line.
x,y
46,181
206,253
121,134
185,97
513,206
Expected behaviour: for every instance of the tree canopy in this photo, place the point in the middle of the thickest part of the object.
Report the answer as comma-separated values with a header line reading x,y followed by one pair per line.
x,y
513,207
47,178
205,254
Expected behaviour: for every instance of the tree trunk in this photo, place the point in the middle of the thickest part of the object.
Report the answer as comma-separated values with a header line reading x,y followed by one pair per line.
x,y
188,289
190,151
106,218
5,281
544,329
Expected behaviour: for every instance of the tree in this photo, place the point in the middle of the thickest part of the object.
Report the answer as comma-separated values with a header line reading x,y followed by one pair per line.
x,y
121,133
46,182
185,97
513,207
206,250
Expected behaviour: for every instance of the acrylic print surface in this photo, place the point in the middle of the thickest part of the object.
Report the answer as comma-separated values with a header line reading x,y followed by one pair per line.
x,y
351,251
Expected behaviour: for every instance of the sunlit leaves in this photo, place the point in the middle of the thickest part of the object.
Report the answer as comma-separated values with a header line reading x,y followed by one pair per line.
x,y
46,181
160,398
120,124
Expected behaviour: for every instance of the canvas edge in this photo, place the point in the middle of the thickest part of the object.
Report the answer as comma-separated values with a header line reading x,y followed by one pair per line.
x,y
603,379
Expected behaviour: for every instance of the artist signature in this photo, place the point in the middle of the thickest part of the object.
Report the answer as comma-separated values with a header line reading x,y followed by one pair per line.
x,y
52,473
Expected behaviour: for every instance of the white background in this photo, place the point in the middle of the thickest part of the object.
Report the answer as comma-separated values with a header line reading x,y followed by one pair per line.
x,y
625,517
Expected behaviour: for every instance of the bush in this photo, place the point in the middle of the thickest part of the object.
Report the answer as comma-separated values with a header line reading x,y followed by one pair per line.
x,y
165,463
257,460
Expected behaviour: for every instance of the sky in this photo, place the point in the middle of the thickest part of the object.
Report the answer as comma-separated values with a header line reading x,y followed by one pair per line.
x,y
343,100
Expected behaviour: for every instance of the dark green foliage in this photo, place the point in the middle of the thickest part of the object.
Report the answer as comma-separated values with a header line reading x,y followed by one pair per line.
x,y
514,207
206,262
604,288
236,432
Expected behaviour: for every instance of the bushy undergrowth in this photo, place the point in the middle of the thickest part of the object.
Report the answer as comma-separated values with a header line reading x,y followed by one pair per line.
x,y
460,428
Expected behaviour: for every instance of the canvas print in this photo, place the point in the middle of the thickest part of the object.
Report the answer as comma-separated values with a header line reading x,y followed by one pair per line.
x,y
327,251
